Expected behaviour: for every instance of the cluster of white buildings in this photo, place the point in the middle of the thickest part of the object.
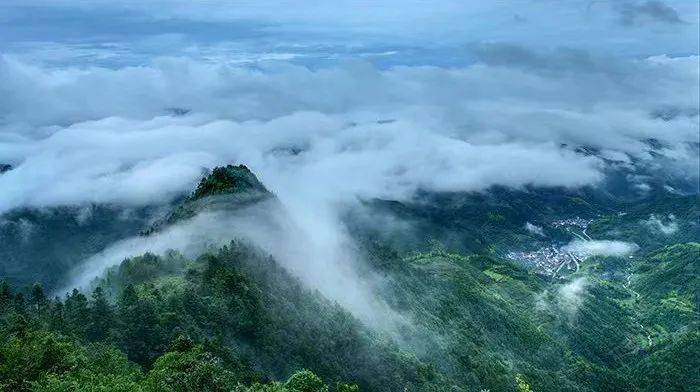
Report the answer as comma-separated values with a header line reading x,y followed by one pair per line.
x,y
547,261
551,260
572,222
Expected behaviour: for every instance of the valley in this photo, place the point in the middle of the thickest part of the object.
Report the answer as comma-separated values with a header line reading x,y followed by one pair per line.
x,y
571,304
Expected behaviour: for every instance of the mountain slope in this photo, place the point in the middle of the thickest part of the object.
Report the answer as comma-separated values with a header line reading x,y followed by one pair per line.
x,y
467,318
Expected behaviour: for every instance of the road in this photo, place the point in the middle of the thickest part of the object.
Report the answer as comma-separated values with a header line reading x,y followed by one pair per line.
x,y
586,234
636,297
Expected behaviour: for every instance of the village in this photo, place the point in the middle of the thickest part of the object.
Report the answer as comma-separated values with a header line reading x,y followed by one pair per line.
x,y
550,260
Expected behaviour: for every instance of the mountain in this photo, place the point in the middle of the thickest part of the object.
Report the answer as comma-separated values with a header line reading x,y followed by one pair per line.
x,y
45,244
531,289
225,188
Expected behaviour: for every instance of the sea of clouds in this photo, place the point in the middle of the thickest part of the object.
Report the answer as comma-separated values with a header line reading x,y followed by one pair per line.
x,y
82,135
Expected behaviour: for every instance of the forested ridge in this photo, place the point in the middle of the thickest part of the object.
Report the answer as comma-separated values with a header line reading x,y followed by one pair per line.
x,y
469,319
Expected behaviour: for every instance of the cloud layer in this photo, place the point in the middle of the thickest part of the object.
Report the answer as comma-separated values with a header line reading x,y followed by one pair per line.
x,y
590,248
100,135
388,31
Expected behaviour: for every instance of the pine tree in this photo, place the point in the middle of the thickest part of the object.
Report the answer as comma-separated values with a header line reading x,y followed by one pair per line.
x,y
139,327
57,320
37,298
5,296
305,381
101,316
76,313
20,304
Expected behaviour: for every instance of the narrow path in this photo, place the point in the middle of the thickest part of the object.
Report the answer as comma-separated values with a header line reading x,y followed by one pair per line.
x,y
586,234
648,335
576,234
627,285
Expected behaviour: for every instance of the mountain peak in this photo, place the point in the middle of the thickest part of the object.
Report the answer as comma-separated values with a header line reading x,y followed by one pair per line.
x,y
228,179
225,188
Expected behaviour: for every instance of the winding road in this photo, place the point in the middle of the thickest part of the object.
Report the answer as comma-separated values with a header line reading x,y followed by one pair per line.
x,y
626,285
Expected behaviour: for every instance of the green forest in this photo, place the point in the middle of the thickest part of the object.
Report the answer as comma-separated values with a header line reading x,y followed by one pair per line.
x,y
234,319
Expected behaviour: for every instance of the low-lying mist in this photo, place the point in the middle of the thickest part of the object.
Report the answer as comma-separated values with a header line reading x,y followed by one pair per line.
x,y
320,255
587,248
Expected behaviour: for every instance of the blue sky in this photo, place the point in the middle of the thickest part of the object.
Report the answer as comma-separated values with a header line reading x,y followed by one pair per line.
x,y
318,33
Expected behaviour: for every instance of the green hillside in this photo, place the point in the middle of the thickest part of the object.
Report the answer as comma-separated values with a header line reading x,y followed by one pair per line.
x,y
467,317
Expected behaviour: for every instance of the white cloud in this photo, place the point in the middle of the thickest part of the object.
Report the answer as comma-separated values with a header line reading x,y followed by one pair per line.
x,y
585,249
571,296
319,254
451,129
313,24
320,139
656,224
534,229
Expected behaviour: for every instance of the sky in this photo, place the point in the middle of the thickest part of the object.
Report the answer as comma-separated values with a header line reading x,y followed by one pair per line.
x,y
443,32
125,103
109,135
